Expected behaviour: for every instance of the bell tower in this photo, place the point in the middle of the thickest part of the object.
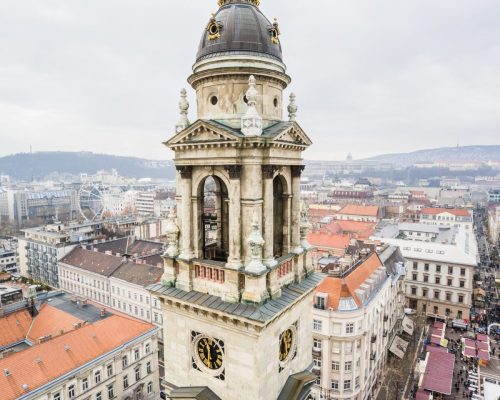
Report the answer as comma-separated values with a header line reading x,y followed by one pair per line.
x,y
237,289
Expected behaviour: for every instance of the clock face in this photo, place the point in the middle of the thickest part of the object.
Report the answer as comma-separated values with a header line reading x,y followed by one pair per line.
x,y
286,344
210,353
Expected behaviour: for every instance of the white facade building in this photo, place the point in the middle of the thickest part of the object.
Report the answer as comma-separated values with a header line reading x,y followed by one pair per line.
x,y
354,319
453,217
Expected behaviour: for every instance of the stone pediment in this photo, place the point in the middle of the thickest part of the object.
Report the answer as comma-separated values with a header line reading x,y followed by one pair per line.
x,y
204,132
290,133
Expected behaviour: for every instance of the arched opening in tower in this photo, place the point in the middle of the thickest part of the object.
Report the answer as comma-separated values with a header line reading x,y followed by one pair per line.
x,y
279,219
214,227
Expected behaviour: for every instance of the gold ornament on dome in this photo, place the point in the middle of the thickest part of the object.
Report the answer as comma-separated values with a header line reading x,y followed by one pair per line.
x,y
275,32
224,2
214,28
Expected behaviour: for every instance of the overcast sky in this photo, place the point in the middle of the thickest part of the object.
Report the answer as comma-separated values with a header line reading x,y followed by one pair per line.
x,y
371,76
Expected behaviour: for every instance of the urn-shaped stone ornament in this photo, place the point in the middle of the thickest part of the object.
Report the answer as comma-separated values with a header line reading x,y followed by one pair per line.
x,y
172,231
256,243
305,226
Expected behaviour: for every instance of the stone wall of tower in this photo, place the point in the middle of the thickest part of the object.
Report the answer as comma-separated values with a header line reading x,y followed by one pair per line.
x,y
251,360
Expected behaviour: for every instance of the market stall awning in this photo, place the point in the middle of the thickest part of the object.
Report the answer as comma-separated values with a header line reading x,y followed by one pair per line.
x,y
398,347
483,346
483,355
436,349
422,395
408,326
438,324
470,352
438,376
482,337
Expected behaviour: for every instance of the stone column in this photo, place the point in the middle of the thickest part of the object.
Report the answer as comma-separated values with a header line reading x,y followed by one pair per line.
x,y
295,223
187,212
234,189
268,215
251,202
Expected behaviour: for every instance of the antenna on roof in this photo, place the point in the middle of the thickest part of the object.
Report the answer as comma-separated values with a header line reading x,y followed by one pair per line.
x,y
6,372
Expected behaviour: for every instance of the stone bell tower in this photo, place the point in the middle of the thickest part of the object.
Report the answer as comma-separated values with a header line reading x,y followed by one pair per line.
x,y
238,283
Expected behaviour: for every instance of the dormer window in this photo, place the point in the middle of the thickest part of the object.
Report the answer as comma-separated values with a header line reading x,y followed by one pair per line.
x,y
214,28
320,301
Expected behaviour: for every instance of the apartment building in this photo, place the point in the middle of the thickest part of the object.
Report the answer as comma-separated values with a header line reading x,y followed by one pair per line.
x,y
454,217
106,358
494,223
41,248
8,261
353,212
439,269
354,320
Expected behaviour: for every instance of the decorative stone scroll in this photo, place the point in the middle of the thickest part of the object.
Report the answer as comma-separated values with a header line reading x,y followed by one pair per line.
x,y
186,171
297,170
268,171
234,171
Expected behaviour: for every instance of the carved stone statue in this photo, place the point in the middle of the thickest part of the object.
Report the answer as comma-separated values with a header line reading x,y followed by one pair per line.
x,y
172,231
256,243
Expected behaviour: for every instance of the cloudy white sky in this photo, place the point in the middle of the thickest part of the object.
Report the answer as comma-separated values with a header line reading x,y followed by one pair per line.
x,y
371,76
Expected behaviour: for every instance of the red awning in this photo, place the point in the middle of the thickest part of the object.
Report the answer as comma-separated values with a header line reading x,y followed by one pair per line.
x,y
422,395
470,352
436,349
438,376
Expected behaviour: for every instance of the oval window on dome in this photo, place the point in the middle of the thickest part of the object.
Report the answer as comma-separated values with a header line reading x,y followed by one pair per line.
x,y
214,100
276,102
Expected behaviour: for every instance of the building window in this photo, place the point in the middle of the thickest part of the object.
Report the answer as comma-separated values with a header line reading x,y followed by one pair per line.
x,y
317,325
335,366
125,381
98,396
460,298
356,382
109,369
148,367
415,265
150,387
71,392
426,278
348,366
349,328
318,381
438,280
111,392
347,384
125,362
414,277
136,354
450,282
57,396
426,267
85,384
436,294
97,376
317,344
335,385
462,271
320,302
462,284
438,268
450,270
317,362
424,292
414,291
448,296
148,348
137,374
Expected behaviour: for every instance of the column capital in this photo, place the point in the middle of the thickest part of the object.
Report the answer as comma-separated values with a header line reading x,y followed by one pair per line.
x,y
268,171
186,171
297,170
234,171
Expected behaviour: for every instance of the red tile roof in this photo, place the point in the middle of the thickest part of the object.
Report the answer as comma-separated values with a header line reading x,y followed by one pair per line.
x,y
51,321
458,212
360,229
42,363
14,327
354,209
338,288
328,241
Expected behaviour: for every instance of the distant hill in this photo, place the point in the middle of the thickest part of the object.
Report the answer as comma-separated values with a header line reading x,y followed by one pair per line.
x,y
28,166
444,154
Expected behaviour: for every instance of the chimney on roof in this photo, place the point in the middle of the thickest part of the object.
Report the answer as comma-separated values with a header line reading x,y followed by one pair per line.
x,y
67,348
6,372
38,360
26,387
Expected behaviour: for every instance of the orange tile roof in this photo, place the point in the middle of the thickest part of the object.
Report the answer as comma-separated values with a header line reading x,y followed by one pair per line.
x,y
51,321
458,212
338,288
361,230
65,353
354,209
14,327
328,240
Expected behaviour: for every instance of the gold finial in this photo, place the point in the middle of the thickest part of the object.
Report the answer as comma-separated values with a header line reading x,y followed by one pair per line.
x,y
224,2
